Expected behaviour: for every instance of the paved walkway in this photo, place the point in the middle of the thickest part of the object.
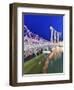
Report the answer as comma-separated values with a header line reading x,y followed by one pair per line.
x,y
52,56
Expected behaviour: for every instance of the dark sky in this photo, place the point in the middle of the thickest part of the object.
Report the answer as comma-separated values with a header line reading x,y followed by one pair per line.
x,y
40,24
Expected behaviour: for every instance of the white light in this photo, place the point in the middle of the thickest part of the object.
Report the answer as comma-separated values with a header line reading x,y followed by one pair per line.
x,y
51,27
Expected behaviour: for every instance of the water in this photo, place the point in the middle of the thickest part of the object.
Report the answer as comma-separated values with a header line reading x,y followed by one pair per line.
x,y
56,66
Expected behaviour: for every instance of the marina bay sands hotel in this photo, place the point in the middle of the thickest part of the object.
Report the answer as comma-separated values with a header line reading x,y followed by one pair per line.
x,y
55,36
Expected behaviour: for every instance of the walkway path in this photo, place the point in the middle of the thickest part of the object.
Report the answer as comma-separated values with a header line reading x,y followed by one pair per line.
x,y
52,56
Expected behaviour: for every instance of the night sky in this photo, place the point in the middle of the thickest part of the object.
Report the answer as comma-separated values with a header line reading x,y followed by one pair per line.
x,y
40,24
